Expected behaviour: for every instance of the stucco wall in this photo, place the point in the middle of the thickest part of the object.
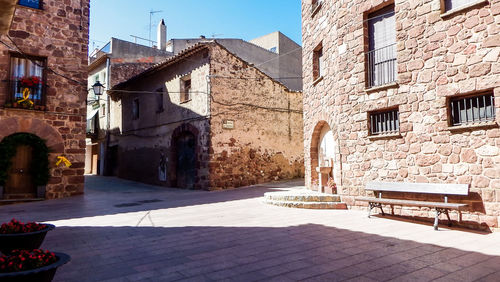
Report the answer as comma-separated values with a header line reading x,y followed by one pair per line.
x,y
438,57
59,32
266,141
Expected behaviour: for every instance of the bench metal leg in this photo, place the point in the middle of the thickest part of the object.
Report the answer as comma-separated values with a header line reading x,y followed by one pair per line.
x,y
448,216
374,205
439,211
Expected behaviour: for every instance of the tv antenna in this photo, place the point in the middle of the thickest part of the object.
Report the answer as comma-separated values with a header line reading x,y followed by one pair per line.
x,y
151,13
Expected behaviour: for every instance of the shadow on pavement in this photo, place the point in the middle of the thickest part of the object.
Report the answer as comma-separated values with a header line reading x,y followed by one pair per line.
x,y
305,252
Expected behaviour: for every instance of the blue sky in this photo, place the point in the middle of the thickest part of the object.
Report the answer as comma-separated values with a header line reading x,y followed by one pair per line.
x,y
244,19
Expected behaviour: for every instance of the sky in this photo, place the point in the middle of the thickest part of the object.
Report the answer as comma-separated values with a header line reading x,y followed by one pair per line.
x,y
245,19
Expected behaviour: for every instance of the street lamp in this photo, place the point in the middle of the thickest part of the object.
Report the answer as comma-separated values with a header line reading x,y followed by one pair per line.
x,y
98,88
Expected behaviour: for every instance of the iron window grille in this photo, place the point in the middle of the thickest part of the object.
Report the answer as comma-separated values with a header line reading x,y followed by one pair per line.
x,y
386,122
315,4
380,58
35,4
472,109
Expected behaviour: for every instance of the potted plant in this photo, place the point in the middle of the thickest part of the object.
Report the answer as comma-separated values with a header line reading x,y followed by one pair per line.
x,y
17,235
30,266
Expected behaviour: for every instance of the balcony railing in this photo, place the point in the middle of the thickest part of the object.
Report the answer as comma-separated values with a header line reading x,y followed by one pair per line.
x,y
382,68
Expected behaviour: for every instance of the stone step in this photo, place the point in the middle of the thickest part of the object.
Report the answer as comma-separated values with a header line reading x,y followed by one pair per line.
x,y
294,197
308,205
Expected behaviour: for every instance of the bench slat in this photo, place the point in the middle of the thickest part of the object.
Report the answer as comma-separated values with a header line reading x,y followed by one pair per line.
x,y
426,188
455,206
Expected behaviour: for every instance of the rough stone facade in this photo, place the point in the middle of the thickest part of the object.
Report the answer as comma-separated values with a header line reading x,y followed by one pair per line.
x,y
439,56
263,143
59,33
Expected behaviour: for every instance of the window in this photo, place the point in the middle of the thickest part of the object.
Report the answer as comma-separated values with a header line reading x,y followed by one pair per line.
x,y
273,49
135,108
37,4
381,55
455,4
384,122
103,110
318,62
315,5
159,100
472,109
185,89
27,80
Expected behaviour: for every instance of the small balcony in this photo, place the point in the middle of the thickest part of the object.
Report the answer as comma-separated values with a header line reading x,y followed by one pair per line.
x,y
381,66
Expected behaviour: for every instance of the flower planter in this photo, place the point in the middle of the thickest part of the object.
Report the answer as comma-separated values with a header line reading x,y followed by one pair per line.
x,y
42,274
23,241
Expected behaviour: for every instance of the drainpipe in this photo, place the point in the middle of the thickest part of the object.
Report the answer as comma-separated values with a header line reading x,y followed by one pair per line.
x,y
107,169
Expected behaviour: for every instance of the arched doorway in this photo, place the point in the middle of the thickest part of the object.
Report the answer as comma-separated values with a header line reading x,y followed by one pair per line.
x,y
24,165
323,157
186,160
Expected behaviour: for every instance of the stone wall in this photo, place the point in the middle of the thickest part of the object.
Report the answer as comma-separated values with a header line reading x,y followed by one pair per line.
x,y
438,57
265,141
58,32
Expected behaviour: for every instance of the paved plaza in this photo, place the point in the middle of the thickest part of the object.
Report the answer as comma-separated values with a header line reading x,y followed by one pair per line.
x,y
126,231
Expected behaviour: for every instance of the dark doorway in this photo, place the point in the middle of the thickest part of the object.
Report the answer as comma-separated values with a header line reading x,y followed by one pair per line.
x,y
186,160
19,182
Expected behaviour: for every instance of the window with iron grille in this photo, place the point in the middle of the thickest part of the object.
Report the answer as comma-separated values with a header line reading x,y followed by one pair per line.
x,y
315,4
472,109
27,79
386,122
381,55
36,4
318,62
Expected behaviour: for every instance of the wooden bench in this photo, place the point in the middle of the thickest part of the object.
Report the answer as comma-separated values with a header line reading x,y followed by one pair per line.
x,y
424,188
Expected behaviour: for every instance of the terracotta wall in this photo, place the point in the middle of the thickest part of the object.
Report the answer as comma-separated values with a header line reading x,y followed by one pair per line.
x,y
438,57
58,32
265,142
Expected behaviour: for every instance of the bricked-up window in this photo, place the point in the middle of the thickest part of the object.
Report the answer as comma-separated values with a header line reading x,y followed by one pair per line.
x,y
472,109
36,4
27,76
384,122
135,108
185,89
318,62
381,55
455,4
159,100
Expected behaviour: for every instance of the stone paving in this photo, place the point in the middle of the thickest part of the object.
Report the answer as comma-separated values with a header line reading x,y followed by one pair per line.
x,y
125,231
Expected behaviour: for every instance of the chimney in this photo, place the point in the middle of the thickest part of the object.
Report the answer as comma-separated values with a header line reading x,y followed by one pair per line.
x,y
162,36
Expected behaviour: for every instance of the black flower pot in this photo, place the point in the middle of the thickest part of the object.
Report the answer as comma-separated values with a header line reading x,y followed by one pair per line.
x,y
42,274
23,241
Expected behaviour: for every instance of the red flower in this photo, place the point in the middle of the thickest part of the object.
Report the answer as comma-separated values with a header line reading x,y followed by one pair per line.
x,y
15,226
30,81
21,260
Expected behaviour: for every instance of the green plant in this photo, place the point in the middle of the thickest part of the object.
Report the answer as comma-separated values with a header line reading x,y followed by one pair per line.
x,y
40,162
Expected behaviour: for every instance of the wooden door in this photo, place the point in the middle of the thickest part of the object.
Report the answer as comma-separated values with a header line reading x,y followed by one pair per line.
x,y
186,161
20,180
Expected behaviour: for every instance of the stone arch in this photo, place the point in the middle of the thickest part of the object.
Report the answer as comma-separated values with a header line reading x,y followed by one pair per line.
x,y
35,126
172,165
313,150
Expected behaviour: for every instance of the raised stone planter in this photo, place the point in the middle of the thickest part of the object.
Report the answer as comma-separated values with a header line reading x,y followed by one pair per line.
x,y
304,199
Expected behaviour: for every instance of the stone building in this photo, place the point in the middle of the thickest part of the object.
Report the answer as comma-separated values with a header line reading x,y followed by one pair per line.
x,y
114,63
405,91
208,119
43,60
